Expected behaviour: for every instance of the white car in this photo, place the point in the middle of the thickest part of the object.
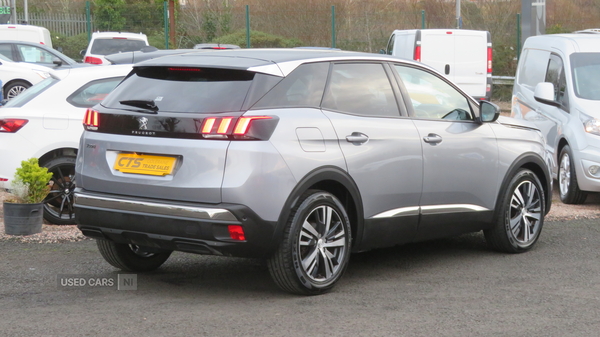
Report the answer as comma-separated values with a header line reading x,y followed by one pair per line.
x,y
105,43
17,77
45,122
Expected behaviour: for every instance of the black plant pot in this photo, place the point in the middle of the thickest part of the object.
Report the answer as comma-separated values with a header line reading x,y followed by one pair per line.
x,y
23,219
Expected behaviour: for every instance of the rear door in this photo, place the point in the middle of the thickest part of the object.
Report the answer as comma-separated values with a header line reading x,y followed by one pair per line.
x,y
460,55
381,146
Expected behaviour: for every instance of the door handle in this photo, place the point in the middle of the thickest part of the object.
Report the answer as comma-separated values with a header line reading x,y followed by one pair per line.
x,y
447,69
432,138
357,138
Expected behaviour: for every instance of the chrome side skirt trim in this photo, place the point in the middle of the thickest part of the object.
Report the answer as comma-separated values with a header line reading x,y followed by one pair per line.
x,y
117,204
426,210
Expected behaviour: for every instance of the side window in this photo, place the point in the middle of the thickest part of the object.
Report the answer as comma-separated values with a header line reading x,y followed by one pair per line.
x,y
6,50
432,97
302,87
93,92
34,55
555,74
533,67
390,46
362,89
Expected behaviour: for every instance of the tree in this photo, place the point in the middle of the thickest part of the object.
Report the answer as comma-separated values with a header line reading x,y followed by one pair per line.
x,y
108,15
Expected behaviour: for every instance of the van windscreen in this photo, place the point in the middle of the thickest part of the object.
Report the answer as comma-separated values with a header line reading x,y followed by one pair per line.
x,y
586,75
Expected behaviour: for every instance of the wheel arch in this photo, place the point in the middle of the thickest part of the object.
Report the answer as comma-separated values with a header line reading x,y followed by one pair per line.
x,y
9,83
56,153
335,181
537,165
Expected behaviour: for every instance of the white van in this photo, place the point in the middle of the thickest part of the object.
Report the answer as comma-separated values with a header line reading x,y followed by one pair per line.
x,y
557,86
27,33
106,43
463,56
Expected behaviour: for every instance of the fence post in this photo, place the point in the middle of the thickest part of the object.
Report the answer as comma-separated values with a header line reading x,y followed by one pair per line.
x,y
423,19
247,26
88,20
166,20
518,36
332,26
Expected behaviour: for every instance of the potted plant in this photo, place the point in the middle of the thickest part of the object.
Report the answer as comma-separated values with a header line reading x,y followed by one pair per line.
x,y
23,211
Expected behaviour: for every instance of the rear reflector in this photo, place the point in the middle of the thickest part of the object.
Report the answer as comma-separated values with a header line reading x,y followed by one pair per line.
x,y
236,232
3,179
91,120
12,125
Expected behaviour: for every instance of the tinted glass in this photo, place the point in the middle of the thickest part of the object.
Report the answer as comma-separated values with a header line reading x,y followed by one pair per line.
x,y
175,89
6,50
362,89
93,92
556,75
303,87
112,46
586,75
533,67
432,97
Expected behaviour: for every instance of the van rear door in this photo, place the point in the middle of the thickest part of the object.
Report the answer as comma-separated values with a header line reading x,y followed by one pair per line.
x,y
461,55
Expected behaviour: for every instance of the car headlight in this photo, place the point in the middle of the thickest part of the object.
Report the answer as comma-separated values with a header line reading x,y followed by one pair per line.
x,y
590,124
42,74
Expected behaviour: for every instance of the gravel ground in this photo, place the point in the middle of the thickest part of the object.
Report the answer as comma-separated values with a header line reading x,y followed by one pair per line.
x,y
54,234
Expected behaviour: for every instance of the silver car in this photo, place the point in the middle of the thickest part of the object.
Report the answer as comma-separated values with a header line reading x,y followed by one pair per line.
x,y
300,157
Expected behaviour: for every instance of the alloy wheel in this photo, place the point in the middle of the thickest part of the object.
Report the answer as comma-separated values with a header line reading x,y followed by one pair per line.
x,y
564,174
322,244
525,212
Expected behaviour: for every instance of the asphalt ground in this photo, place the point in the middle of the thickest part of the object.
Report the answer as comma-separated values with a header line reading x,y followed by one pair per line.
x,y
449,287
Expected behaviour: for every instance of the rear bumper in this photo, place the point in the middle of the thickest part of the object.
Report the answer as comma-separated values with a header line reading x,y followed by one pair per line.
x,y
188,227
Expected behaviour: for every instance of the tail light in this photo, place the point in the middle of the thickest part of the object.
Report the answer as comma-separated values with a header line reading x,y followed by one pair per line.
x,y
91,120
12,125
249,128
92,60
489,60
417,56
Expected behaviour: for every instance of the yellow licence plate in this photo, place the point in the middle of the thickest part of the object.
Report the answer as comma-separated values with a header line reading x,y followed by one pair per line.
x,y
144,164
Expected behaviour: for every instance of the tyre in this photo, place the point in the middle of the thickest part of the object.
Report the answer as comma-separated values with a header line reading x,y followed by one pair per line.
x,y
58,205
518,223
15,88
567,179
315,249
131,257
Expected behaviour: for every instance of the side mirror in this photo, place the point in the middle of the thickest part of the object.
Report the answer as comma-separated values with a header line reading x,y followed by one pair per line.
x,y
382,51
82,52
544,93
488,112
57,61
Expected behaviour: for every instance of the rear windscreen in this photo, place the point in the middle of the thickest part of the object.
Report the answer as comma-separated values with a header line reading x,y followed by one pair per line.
x,y
112,46
183,89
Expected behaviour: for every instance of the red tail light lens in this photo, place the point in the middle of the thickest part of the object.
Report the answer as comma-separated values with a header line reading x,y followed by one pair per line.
x,y
489,59
236,232
92,60
12,125
91,120
417,56
228,127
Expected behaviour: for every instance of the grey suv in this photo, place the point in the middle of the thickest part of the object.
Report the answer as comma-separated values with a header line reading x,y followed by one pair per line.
x,y
300,157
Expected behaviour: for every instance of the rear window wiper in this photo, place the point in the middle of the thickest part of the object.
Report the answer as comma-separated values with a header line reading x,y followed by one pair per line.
x,y
144,104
